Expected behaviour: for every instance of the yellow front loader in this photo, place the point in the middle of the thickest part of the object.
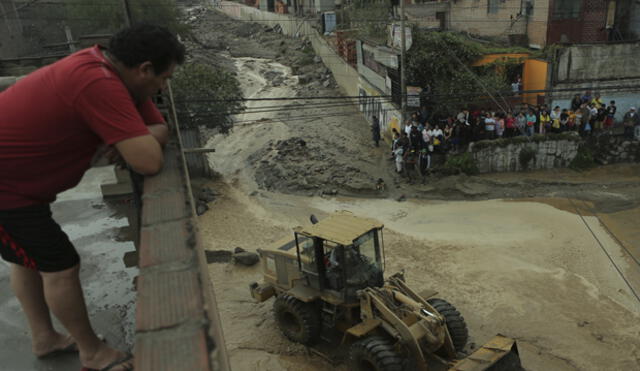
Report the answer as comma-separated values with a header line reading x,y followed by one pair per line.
x,y
329,279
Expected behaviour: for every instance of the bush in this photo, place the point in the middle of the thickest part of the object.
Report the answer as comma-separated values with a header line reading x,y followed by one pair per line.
x,y
206,96
584,159
526,155
461,163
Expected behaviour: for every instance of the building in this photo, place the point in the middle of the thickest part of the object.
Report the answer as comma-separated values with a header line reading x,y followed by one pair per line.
x,y
533,23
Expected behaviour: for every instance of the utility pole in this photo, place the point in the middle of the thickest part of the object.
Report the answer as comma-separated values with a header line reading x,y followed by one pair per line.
x,y
403,82
127,13
72,44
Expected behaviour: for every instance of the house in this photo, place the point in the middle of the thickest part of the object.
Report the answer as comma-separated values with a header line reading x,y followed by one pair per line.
x,y
533,23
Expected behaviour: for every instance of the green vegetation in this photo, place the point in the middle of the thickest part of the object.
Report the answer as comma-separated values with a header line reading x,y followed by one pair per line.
x,y
525,156
362,16
206,96
584,159
461,163
96,16
440,60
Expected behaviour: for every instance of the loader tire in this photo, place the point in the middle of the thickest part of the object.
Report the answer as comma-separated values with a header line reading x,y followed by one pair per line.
x,y
374,353
455,322
298,321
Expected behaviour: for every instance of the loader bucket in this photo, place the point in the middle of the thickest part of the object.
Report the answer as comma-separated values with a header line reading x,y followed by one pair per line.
x,y
498,354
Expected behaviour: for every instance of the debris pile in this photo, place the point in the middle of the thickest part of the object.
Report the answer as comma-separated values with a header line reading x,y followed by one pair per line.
x,y
293,165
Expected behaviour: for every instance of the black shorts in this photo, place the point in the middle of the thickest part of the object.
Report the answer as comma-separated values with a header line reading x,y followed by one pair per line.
x,y
30,237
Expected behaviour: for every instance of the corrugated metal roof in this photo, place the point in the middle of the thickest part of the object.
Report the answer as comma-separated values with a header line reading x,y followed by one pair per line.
x,y
341,228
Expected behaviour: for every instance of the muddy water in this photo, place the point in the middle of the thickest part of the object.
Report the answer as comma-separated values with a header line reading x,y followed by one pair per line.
x,y
526,270
535,270
258,79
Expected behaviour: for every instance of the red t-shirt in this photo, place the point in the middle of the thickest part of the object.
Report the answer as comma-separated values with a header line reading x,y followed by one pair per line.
x,y
53,120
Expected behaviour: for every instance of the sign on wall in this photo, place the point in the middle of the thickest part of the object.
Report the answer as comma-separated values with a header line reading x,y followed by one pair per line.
x,y
413,96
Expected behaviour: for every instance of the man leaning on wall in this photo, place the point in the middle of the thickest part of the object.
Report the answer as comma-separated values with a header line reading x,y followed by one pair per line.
x,y
53,121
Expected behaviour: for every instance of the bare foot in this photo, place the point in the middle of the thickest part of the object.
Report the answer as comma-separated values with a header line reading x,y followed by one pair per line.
x,y
54,343
105,356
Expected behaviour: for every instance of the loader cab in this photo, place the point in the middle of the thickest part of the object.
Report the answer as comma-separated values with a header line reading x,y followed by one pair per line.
x,y
341,255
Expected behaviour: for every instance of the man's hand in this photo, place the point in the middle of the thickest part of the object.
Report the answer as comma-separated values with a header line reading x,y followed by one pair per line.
x,y
107,155
160,132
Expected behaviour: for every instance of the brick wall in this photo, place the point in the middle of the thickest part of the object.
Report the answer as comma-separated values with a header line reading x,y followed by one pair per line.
x,y
586,28
594,20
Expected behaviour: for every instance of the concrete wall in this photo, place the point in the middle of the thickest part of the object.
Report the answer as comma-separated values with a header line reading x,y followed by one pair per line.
x,y
580,63
625,98
346,76
610,69
424,15
368,74
473,16
537,24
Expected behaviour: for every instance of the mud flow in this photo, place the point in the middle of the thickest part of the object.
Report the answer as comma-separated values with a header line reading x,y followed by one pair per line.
x,y
550,258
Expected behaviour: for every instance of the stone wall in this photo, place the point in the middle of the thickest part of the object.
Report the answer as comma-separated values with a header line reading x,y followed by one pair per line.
x,y
608,149
503,155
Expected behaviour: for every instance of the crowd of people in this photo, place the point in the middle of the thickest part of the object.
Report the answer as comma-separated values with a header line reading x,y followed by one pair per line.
x,y
420,137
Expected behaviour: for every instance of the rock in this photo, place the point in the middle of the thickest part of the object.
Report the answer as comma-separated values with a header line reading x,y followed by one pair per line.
x,y
217,256
246,258
401,198
326,83
201,208
317,59
206,195
238,250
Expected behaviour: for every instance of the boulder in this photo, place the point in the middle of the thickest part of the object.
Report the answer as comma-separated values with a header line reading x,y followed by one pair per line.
x,y
246,258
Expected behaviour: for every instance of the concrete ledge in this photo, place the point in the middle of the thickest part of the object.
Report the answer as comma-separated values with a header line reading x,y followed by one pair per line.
x,y
177,324
168,299
172,350
166,243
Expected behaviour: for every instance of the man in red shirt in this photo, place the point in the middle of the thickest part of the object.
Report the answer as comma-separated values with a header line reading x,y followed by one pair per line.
x,y
52,123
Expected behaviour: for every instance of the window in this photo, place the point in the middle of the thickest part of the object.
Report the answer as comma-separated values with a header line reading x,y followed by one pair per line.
x,y
567,9
492,6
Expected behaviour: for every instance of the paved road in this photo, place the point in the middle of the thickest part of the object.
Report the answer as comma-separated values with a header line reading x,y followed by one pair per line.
x,y
95,229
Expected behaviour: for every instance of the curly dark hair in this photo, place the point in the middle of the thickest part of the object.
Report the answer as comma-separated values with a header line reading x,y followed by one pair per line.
x,y
146,42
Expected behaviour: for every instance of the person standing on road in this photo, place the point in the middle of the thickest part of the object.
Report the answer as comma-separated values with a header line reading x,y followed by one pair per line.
x,y
630,121
52,123
375,130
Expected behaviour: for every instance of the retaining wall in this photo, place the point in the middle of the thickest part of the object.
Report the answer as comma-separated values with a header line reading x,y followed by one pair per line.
x,y
497,156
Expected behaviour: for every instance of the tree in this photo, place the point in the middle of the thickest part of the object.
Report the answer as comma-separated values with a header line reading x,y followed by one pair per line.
x,y
94,16
438,60
206,96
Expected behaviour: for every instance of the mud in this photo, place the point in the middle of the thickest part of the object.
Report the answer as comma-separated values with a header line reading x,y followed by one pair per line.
x,y
555,269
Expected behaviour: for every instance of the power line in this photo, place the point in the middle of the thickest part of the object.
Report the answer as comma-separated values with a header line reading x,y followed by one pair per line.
x,y
432,95
605,251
